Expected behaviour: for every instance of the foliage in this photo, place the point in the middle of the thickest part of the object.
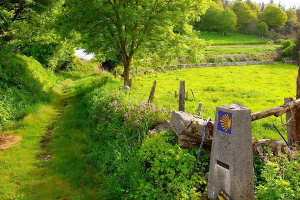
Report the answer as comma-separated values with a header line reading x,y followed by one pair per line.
x,y
86,66
274,16
130,28
167,168
210,20
280,175
287,47
122,143
23,82
244,14
227,22
262,29
292,16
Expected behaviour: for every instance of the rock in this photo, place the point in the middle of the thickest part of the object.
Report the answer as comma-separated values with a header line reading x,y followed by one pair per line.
x,y
124,87
189,129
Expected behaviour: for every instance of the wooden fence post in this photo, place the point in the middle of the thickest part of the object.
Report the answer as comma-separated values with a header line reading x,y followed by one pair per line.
x,y
199,109
181,96
290,123
151,96
296,137
192,93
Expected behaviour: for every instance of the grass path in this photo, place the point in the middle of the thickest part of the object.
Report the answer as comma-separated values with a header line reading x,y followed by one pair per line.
x,y
50,161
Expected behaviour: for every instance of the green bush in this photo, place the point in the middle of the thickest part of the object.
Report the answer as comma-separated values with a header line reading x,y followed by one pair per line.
x,y
139,165
23,82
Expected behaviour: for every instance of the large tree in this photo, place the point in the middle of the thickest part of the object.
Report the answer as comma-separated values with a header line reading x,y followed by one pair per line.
x,y
274,16
209,21
134,27
245,15
227,21
292,16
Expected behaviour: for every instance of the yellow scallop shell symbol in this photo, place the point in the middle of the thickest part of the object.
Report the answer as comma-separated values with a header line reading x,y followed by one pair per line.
x,y
225,122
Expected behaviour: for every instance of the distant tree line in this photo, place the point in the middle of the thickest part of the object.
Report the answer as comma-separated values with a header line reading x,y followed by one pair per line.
x,y
249,18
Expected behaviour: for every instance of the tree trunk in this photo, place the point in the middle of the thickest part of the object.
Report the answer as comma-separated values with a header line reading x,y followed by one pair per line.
x,y
126,73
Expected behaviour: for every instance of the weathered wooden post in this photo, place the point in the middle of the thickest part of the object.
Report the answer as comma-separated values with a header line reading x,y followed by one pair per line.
x,y
290,123
231,163
151,96
296,135
182,96
199,109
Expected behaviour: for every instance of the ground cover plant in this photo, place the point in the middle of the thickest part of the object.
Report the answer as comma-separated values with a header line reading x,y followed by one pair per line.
x,y
257,87
231,39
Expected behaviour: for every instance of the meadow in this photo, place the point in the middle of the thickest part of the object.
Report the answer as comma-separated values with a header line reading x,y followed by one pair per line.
x,y
257,87
233,38
240,49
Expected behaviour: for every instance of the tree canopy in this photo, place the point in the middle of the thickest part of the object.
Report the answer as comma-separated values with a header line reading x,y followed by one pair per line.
x,y
292,16
131,27
244,14
274,15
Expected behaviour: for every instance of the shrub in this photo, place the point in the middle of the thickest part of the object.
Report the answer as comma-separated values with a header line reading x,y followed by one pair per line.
x,y
287,47
23,82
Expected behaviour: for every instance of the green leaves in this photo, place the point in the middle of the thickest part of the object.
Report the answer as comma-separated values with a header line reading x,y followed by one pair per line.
x,y
274,16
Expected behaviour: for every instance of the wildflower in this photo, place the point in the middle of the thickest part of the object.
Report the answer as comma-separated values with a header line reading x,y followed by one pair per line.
x,y
133,108
118,137
126,115
131,144
115,102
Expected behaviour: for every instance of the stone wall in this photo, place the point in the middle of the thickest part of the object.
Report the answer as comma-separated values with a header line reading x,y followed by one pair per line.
x,y
223,64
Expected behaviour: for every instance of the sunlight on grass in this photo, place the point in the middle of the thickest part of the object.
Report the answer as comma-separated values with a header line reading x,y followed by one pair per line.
x,y
257,87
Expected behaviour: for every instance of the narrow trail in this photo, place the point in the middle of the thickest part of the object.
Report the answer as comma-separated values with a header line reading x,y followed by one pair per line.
x,y
49,162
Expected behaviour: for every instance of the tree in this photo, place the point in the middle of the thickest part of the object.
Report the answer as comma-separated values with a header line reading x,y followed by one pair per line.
x,y
292,16
132,28
274,16
209,21
227,21
244,14
262,29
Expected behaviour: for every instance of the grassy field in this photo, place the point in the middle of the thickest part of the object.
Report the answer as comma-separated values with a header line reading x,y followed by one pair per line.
x,y
257,87
231,39
240,49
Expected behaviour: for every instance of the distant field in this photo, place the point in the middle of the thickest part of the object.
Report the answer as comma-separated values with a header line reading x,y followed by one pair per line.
x,y
239,49
232,39
257,87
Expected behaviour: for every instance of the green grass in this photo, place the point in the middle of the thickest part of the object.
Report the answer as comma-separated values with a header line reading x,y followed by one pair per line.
x,y
240,49
257,87
70,173
231,39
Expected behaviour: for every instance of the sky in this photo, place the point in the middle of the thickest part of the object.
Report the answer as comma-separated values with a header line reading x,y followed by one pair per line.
x,y
287,3
81,54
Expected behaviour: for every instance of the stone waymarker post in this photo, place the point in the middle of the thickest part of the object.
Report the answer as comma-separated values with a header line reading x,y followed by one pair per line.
x,y
231,161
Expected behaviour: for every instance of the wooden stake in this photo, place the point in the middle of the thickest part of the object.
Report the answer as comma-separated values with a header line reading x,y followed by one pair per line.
x,y
192,93
296,135
181,96
199,109
151,96
290,123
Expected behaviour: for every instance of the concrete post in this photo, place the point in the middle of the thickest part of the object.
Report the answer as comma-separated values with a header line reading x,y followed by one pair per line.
x,y
231,163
